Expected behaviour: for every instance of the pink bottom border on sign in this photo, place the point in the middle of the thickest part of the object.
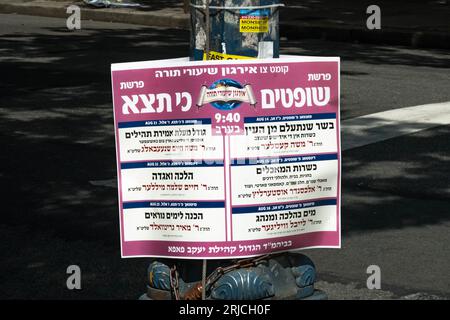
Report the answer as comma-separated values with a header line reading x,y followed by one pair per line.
x,y
154,248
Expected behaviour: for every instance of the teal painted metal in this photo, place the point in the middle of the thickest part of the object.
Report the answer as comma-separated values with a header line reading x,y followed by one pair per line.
x,y
284,276
227,28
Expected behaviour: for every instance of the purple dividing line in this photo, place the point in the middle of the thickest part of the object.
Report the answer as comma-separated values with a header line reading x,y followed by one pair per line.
x,y
285,202
231,194
225,190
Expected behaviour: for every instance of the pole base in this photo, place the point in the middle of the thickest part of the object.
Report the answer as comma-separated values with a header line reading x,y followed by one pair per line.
x,y
288,276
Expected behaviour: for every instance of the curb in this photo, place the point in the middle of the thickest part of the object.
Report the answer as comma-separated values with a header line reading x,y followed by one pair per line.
x,y
176,18
161,18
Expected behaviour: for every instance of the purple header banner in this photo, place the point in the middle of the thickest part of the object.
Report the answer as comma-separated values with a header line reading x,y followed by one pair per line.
x,y
227,159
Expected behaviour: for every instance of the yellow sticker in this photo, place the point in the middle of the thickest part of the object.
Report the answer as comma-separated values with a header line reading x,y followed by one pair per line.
x,y
254,24
222,56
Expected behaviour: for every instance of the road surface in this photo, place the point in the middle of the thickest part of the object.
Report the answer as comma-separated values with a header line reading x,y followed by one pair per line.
x,y
57,163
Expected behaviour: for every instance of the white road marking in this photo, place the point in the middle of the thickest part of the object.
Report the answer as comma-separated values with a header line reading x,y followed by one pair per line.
x,y
376,127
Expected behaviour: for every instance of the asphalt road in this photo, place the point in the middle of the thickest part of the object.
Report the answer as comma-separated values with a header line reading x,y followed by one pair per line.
x,y
56,137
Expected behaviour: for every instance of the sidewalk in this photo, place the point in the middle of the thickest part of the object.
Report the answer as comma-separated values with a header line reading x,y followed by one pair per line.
x,y
401,23
167,13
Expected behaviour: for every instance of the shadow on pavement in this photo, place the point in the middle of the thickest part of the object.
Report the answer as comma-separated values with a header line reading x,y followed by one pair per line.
x,y
397,183
57,135
371,54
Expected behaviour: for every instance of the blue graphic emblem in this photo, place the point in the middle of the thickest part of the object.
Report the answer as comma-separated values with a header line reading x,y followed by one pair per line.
x,y
226,105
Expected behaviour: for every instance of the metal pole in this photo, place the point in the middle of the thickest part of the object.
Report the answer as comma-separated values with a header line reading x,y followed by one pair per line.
x,y
207,31
207,28
186,5
204,279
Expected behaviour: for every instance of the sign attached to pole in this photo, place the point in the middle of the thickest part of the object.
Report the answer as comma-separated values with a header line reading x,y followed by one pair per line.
x,y
227,159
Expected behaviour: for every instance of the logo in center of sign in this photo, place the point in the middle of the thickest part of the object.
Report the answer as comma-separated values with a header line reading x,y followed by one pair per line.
x,y
226,95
